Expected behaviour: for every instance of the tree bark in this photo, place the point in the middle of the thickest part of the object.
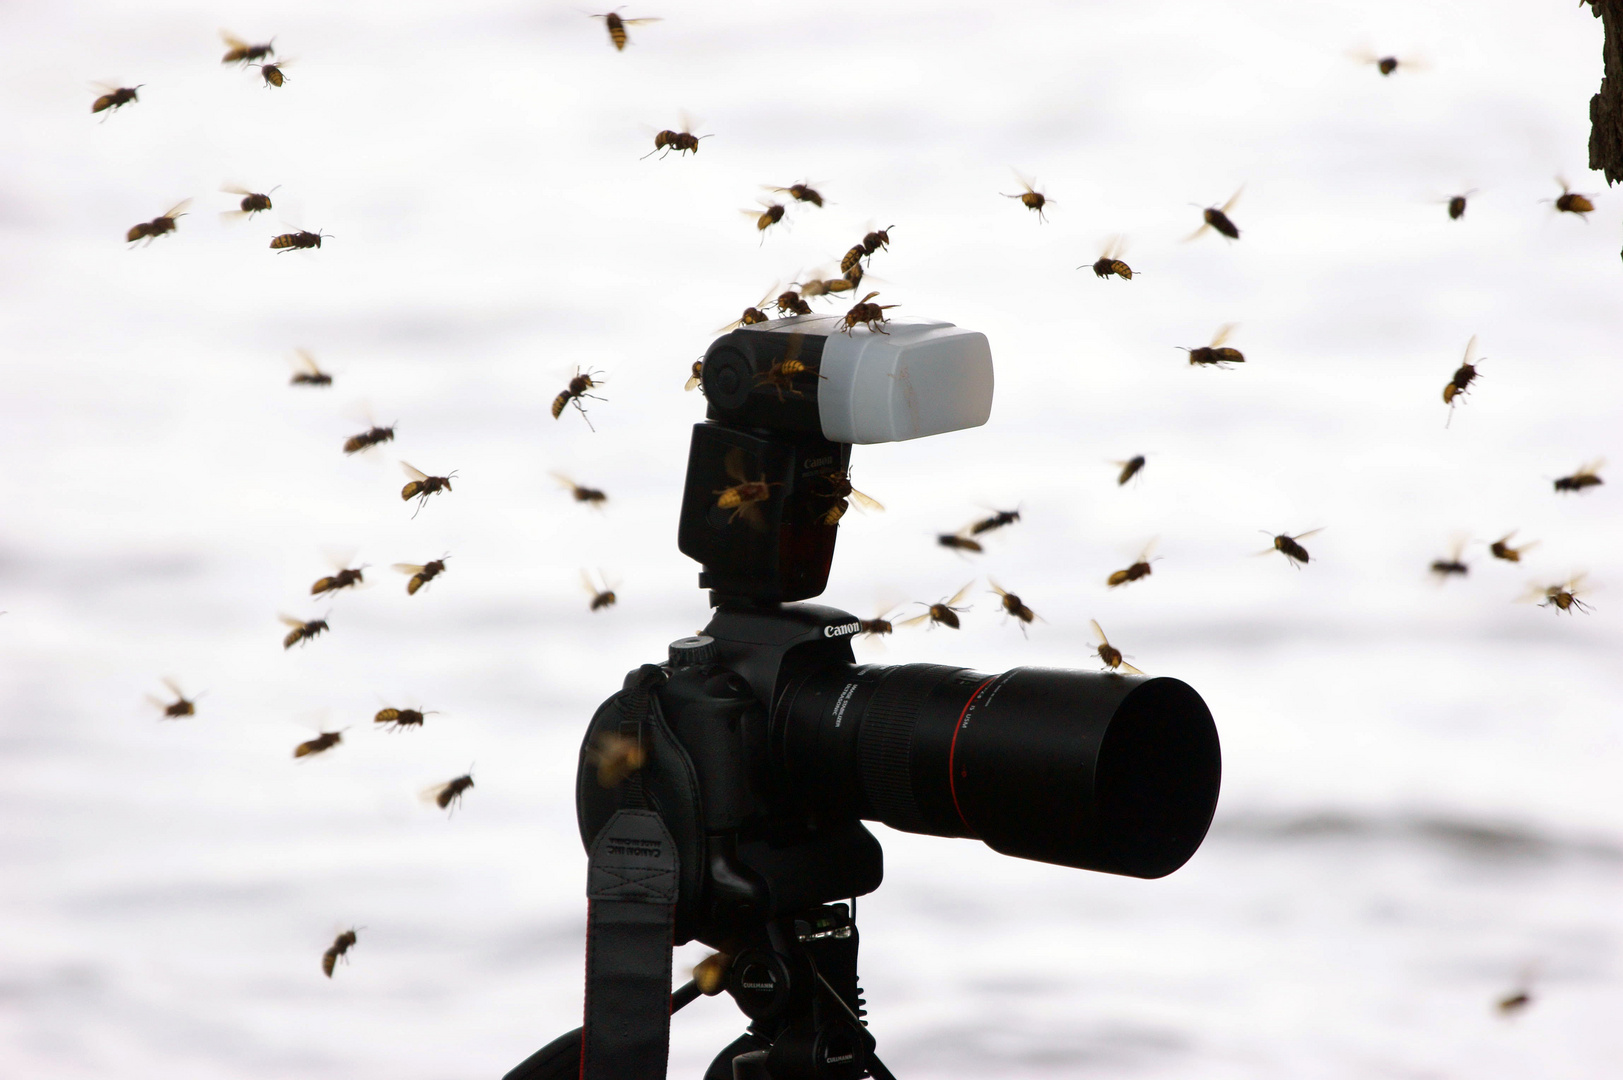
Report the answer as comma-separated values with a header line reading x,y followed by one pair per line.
x,y
1606,107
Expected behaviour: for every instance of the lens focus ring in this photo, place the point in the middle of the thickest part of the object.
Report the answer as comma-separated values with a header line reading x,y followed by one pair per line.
x,y
885,753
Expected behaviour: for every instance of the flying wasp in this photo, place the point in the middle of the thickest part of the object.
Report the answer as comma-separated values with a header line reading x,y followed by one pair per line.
x,y
401,718
253,202
838,488
1456,204
767,217
744,497
802,192
1571,202
781,375
1288,546
421,575
163,223
240,52
372,436
1464,375
877,239
576,392
1013,605
870,315
1139,569
336,951
1563,597
305,371
1216,354
581,494
1588,475
181,706
711,973
448,795
1031,198
1218,218
790,303
753,314
420,486
346,578
616,758
601,598
115,98
1129,469
942,613
617,27
695,376
1501,549
958,542
852,259
272,73
303,630
683,142
1451,566
1000,519
318,745
1109,261
298,241
880,625
1109,654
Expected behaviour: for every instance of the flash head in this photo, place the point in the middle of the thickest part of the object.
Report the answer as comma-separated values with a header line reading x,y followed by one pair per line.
x,y
811,374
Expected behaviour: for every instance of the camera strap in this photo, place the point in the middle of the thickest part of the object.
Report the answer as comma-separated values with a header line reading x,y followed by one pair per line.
x,y
631,889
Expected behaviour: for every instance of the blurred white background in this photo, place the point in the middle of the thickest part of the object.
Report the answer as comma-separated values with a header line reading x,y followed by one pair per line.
x,y
1420,805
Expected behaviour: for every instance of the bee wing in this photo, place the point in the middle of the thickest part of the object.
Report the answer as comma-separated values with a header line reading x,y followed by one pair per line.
x,y
961,593
431,794
174,688
1590,468
177,208
290,620
339,557
734,464
1224,332
689,122
1116,247
1000,590
1576,581
1027,182
1456,545
1470,350
232,40
1197,233
235,189
915,620
415,474
866,502
1129,668
865,299
565,481
1233,199
642,21
1098,632
302,357
1310,532
1535,593
1144,556
586,582
409,568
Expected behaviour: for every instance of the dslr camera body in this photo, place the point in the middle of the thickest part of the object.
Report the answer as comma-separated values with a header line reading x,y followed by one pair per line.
x,y
721,795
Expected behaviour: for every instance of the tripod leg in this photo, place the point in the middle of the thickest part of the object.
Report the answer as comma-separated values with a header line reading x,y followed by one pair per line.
x,y
558,1060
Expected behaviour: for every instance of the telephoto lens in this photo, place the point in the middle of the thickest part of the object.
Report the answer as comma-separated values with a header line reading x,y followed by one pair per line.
x,y
1097,771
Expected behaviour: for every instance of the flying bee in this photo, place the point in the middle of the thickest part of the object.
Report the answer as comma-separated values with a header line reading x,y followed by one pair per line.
x,y
1129,469
298,241
318,745
617,27
346,578
1464,375
880,624
240,52
1139,569
695,376
1588,475
115,98
616,758
999,519
802,192
683,142
303,630
839,489
744,497
401,718
753,314
1501,549
421,575
843,284
1013,605
272,72
1571,202
815,286
853,258
1030,198
1452,565
448,795
601,598
1109,654
421,486
305,371
163,223
181,706
790,303
878,238
336,951
1216,354
1288,546
767,217
576,393
942,613
253,202
958,542
372,436
1109,261
711,973
1514,1002
1456,204
781,375
870,315
581,494
1563,597
1218,218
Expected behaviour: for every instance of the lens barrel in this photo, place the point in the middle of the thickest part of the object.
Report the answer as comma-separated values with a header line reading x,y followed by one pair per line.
x,y
1092,770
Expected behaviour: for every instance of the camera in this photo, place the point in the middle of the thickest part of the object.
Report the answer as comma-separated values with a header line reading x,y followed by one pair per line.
x,y
722,794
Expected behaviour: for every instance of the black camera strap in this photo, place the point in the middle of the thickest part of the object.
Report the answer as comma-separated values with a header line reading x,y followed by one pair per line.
x,y
631,889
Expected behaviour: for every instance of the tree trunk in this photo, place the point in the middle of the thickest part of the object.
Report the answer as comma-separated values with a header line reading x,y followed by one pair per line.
x,y
1606,107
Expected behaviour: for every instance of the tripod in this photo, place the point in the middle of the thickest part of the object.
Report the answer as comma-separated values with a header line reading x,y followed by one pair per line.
x,y
796,979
